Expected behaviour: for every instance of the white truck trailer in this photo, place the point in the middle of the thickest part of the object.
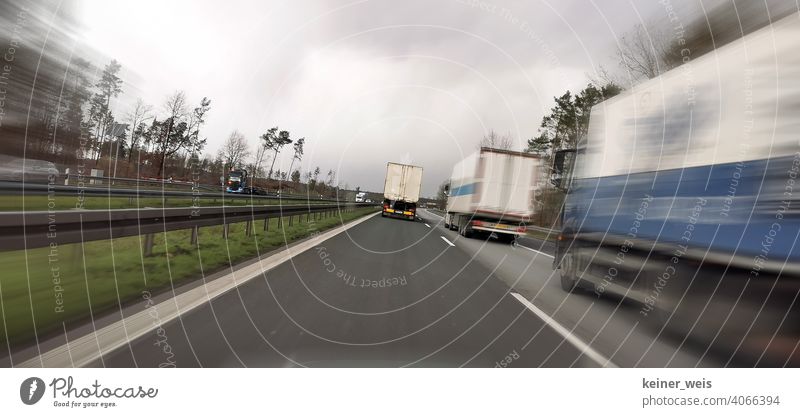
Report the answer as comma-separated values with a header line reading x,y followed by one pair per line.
x,y
492,191
401,190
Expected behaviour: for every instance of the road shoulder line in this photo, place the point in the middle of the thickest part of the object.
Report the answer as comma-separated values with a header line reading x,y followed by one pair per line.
x,y
585,349
536,251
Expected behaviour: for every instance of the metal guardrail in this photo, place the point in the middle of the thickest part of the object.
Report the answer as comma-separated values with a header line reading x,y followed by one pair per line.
x,y
94,181
554,232
17,188
90,180
36,229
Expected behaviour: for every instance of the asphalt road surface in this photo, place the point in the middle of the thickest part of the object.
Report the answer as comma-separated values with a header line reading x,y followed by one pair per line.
x,y
391,292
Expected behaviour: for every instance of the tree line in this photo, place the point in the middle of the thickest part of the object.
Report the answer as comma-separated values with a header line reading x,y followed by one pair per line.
x,y
236,152
63,109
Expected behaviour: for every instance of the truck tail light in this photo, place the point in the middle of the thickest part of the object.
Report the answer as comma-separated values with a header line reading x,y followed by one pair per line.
x,y
477,223
521,229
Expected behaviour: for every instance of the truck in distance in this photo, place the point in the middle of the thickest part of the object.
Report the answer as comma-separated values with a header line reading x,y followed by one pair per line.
x,y
492,191
401,190
238,182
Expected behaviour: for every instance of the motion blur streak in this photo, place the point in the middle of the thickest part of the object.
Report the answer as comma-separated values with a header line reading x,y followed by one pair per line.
x,y
684,199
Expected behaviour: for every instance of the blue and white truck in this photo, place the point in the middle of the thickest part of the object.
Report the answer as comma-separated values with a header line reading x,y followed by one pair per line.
x,y
684,197
492,191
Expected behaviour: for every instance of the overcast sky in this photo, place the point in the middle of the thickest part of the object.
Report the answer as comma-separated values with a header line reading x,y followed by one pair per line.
x,y
366,82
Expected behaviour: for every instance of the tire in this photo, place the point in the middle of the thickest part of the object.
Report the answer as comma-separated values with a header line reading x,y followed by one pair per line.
x,y
569,272
465,230
506,238
480,234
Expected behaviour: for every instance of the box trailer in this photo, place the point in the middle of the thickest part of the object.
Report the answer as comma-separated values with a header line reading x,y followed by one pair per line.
x,y
680,198
492,191
401,190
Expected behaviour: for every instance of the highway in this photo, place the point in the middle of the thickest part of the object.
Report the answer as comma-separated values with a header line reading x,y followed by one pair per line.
x,y
390,292
439,305
442,309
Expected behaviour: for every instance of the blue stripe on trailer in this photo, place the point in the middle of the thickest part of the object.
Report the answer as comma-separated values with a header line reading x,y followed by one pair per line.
x,y
465,189
755,204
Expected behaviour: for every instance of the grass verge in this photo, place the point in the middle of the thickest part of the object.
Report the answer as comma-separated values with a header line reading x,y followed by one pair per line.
x,y
43,289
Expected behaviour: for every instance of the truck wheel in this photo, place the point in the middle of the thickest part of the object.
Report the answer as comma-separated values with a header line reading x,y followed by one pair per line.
x,y
506,238
569,272
464,230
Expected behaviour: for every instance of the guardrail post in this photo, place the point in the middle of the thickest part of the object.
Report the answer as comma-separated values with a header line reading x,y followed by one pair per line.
x,y
249,226
148,244
195,231
130,200
291,216
225,230
266,224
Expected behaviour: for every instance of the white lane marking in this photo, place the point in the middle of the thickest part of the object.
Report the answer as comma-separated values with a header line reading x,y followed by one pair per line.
x,y
537,251
448,242
87,349
427,225
587,350
430,212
